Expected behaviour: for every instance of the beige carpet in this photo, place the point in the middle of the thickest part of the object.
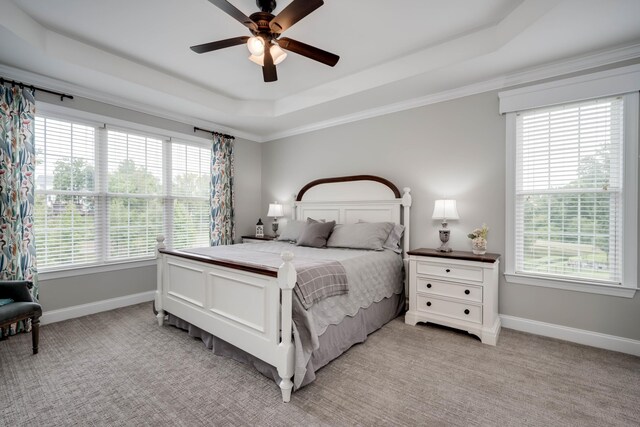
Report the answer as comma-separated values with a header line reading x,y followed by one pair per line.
x,y
120,368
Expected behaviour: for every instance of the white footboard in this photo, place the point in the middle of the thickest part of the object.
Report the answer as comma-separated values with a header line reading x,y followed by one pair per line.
x,y
249,309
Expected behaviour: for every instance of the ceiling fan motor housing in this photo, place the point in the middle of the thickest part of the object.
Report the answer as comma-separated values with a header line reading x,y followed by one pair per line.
x,y
262,20
266,5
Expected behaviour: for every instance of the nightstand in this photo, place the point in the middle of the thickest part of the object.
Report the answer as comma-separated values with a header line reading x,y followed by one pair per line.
x,y
254,239
456,289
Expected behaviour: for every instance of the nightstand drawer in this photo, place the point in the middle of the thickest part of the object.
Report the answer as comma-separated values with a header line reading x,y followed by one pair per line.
x,y
453,290
462,311
450,271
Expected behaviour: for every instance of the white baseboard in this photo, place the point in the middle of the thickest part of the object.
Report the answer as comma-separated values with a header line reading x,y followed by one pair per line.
x,y
53,316
580,336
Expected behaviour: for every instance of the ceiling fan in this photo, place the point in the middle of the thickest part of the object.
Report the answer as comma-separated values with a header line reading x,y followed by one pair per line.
x,y
266,45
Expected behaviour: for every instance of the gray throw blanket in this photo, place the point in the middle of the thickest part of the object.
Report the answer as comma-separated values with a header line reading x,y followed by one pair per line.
x,y
316,279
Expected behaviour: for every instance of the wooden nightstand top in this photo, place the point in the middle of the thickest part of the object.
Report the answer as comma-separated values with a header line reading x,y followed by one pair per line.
x,y
462,255
266,238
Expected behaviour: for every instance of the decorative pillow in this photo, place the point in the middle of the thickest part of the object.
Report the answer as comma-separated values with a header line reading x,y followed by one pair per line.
x,y
394,239
315,220
291,230
362,235
315,234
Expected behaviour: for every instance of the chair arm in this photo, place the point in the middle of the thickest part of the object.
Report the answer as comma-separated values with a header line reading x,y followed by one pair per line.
x,y
17,290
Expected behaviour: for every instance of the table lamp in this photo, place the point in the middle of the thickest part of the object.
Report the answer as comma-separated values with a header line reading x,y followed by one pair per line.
x,y
275,211
445,210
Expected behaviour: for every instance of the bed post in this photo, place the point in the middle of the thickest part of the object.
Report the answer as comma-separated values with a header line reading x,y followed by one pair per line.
x,y
294,214
286,280
406,204
158,300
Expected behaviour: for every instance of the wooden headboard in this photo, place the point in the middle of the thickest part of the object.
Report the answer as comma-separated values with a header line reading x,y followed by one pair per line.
x,y
349,199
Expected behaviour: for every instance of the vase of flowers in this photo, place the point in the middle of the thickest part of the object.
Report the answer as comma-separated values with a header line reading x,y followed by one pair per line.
x,y
479,240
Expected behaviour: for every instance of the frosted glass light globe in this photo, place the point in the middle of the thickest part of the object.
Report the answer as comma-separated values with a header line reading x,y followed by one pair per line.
x,y
277,54
257,59
255,46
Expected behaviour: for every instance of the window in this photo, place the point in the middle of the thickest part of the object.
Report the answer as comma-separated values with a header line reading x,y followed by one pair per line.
x,y
134,194
190,181
572,184
568,197
66,196
103,194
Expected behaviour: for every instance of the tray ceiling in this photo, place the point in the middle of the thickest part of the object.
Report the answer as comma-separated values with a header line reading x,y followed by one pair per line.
x,y
390,53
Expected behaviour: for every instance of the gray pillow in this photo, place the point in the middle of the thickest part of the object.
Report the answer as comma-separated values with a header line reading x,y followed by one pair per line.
x,y
394,239
315,234
362,235
291,230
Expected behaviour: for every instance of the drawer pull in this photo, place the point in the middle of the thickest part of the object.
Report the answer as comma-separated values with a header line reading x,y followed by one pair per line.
x,y
448,271
428,285
428,303
467,291
466,311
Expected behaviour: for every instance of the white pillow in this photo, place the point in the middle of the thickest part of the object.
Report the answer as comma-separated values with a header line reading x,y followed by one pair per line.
x,y
290,231
394,239
362,235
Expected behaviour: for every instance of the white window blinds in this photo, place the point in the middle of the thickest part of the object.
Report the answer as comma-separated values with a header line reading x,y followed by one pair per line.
x,y
66,196
190,181
569,179
134,198
103,194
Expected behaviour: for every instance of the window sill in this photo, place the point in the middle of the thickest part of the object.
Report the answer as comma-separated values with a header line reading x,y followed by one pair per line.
x,y
93,269
570,285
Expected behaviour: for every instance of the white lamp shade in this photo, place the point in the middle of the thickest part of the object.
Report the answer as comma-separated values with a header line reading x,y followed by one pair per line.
x,y
445,209
275,210
277,54
258,59
255,46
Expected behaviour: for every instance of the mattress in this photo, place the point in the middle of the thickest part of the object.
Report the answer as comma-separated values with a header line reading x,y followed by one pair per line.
x,y
329,327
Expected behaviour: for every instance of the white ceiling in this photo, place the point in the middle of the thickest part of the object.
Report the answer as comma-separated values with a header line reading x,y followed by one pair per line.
x,y
392,54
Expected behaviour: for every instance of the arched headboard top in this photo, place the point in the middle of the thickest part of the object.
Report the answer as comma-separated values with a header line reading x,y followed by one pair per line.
x,y
355,187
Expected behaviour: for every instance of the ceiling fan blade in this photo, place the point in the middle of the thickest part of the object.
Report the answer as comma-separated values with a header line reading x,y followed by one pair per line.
x,y
232,11
294,12
220,44
268,69
310,52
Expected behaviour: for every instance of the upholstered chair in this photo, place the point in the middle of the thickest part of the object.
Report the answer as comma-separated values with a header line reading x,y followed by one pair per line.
x,y
18,304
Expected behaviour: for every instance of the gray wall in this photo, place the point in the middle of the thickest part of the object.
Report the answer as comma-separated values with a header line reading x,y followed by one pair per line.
x,y
67,292
453,149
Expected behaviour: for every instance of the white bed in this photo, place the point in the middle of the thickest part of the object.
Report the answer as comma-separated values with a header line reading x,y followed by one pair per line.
x,y
250,306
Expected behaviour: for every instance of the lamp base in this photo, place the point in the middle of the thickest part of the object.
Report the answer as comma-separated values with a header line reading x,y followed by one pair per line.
x,y
274,227
444,238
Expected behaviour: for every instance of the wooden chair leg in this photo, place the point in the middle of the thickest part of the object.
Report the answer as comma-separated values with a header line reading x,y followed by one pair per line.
x,y
35,333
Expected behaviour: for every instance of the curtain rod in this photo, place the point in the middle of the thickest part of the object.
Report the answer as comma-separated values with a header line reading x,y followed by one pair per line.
x,y
195,129
22,85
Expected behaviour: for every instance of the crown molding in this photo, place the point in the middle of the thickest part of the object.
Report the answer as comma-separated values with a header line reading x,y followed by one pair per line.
x,y
95,95
554,69
550,70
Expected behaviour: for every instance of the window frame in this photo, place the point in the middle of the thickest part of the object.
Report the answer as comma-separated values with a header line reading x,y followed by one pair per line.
x,y
567,91
103,124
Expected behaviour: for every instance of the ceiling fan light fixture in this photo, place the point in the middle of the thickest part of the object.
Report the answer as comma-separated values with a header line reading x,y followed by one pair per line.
x,y
257,59
277,54
266,30
255,46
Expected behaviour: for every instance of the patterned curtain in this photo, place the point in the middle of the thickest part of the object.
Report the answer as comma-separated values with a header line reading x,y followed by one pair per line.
x,y
222,228
17,152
